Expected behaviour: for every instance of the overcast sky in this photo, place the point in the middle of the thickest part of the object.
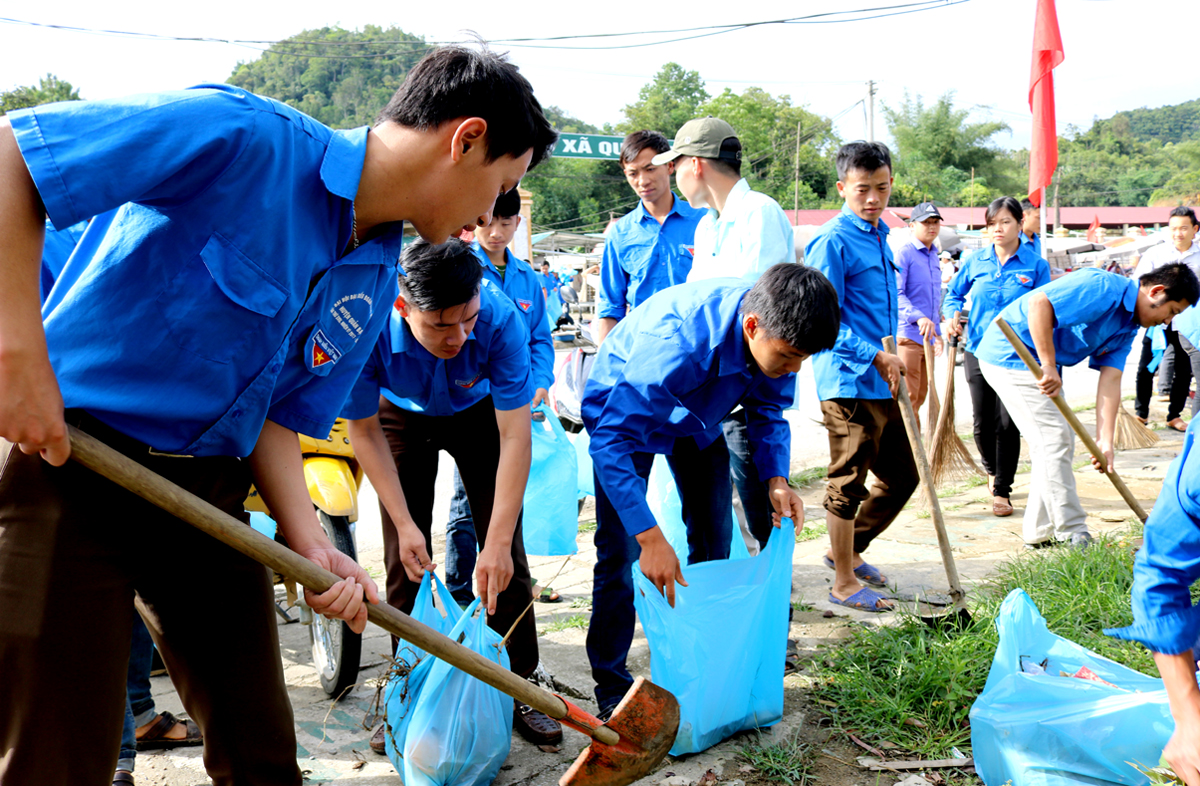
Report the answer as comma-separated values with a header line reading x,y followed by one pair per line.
x,y
1120,54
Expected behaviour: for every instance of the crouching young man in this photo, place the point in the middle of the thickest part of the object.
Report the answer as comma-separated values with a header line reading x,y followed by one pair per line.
x,y
453,367
664,380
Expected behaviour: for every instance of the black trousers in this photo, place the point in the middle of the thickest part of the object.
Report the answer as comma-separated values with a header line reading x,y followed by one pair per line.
x,y
473,439
996,436
1180,374
1193,357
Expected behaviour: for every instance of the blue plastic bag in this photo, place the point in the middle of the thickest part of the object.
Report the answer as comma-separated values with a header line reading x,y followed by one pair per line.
x,y
721,649
1042,729
460,729
587,477
554,308
551,514
663,498
402,688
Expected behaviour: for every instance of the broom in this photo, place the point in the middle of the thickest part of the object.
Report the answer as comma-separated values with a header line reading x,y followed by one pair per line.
x,y
931,417
1131,433
949,459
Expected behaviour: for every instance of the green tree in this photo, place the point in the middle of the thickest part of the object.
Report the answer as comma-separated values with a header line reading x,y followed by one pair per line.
x,y
672,99
937,147
767,128
48,91
343,78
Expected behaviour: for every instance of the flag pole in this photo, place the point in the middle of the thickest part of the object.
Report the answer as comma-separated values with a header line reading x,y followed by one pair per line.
x,y
1043,226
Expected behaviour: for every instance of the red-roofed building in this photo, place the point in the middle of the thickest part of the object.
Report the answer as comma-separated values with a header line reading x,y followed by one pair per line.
x,y
1113,218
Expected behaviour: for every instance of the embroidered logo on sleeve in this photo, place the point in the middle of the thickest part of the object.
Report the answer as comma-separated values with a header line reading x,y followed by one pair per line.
x,y
525,304
323,350
468,383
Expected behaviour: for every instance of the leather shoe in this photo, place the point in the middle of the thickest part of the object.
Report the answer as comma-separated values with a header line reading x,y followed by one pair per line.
x,y
537,727
379,741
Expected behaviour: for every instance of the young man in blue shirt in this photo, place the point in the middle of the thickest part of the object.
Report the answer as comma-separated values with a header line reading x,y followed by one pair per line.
x,y
1088,314
516,279
662,383
856,380
225,297
649,248
1031,226
453,368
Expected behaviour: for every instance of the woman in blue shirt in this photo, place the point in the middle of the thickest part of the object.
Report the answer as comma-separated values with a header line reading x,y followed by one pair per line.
x,y
993,278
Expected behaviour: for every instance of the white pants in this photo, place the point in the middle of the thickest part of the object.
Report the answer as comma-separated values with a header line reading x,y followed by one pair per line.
x,y
1053,509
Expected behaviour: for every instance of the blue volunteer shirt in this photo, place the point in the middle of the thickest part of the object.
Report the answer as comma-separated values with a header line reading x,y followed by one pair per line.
x,y
676,367
1035,242
1168,563
855,257
524,288
642,257
992,286
1093,317
56,250
212,294
494,360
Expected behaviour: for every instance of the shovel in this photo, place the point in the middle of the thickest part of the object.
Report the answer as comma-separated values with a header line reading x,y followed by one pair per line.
x,y
628,747
1061,403
960,617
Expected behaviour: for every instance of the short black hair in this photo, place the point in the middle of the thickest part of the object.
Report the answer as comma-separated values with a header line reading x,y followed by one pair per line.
x,y
1185,212
545,263
1003,203
797,304
1177,279
867,156
508,205
453,81
1027,206
439,276
638,141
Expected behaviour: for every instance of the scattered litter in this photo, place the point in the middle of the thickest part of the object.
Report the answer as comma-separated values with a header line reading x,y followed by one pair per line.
x,y
1085,673
708,777
866,747
878,765
828,614
956,753
358,765
913,780
746,768
549,749
914,722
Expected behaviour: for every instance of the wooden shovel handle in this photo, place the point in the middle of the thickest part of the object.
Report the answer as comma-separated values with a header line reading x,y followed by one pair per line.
x,y
186,506
1061,403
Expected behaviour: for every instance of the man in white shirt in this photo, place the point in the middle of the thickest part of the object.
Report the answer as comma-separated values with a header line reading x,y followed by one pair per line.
x,y
1182,247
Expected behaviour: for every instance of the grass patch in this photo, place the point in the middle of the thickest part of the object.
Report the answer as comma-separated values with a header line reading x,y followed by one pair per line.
x,y
582,602
812,532
807,477
787,761
587,526
800,605
1084,407
574,621
881,677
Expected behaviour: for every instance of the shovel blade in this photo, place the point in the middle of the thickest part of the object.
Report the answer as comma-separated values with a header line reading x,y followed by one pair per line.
x,y
647,720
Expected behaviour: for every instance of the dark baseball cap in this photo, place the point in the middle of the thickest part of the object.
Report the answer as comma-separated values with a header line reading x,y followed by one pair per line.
x,y
703,138
924,211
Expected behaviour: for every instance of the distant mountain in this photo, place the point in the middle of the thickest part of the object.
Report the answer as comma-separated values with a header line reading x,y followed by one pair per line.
x,y
1174,124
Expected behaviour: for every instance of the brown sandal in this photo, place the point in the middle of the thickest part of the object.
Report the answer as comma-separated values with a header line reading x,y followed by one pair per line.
x,y
1001,508
156,737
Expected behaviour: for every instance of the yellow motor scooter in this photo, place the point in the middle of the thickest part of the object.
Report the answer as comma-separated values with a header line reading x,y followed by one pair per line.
x,y
333,478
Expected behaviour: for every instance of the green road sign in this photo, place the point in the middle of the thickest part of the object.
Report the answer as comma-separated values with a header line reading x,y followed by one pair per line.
x,y
588,146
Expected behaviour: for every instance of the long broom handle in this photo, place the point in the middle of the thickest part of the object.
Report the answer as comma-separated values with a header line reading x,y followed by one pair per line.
x,y
923,471
1061,403
948,393
95,455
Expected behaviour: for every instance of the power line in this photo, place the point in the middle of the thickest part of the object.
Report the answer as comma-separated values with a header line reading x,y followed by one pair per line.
x,y
612,209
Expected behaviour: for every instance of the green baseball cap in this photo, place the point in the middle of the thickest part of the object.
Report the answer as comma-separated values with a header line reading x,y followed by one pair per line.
x,y
702,138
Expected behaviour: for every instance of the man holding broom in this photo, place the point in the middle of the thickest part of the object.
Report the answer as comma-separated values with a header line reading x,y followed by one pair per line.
x,y
1088,314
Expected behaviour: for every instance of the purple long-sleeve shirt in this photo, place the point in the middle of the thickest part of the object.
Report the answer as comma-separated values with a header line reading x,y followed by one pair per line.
x,y
920,284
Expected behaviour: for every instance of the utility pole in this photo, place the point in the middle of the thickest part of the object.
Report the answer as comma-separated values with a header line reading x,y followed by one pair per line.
x,y
871,111
1057,213
796,201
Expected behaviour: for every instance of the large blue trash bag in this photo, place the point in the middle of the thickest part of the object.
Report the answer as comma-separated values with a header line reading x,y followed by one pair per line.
x,y
663,498
1042,729
460,729
554,308
404,685
551,514
587,477
721,649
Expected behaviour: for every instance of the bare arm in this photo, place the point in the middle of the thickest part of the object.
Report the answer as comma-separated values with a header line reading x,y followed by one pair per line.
x,y
1183,749
603,327
279,475
1108,399
373,454
1041,329
494,569
31,407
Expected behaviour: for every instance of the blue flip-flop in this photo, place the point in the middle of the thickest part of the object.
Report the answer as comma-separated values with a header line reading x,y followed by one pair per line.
x,y
866,599
866,573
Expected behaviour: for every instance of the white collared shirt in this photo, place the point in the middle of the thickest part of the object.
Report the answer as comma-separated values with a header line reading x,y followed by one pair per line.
x,y
750,235
1165,253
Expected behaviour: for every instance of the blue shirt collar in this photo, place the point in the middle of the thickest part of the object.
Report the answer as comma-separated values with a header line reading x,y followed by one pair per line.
x,y
342,166
511,260
644,214
865,226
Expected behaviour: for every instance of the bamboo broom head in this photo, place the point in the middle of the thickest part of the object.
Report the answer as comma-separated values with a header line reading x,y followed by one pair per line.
x,y
1130,433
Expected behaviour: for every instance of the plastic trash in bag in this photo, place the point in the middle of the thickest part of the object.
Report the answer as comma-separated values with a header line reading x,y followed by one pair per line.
x,y
1038,728
663,498
550,521
404,684
721,649
587,477
460,729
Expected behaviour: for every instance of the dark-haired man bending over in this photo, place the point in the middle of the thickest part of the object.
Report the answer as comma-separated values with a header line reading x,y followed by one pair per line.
x,y
664,380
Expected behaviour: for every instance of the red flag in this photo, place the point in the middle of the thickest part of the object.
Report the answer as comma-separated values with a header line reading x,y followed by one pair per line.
x,y
1092,229
1047,54
1143,230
